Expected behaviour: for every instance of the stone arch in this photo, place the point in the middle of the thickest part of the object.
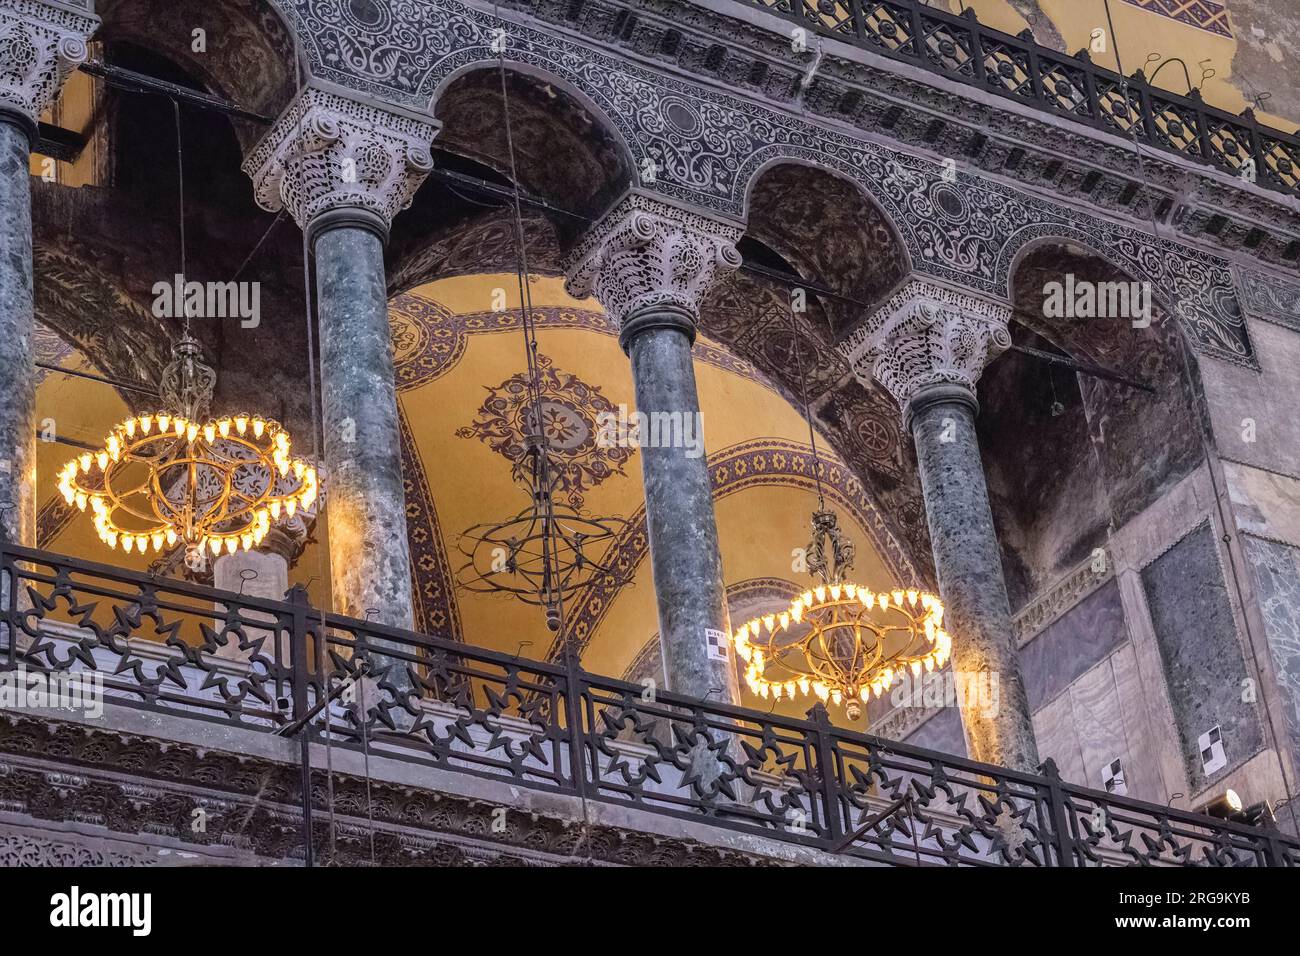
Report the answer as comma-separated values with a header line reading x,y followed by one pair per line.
x,y
250,57
1194,286
762,160
1071,457
568,153
830,231
570,96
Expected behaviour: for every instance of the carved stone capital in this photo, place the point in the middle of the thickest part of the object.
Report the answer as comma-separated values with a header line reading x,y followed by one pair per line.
x,y
646,254
329,153
41,43
927,334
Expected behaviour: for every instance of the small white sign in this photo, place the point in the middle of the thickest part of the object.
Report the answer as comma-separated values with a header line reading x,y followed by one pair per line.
x,y
1112,778
716,642
1212,756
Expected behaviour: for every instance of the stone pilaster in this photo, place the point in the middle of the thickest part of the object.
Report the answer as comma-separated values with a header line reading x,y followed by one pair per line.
x,y
649,264
40,45
269,564
927,347
344,169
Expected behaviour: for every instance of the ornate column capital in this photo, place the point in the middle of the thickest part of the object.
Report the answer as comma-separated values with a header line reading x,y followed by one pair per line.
x,y
927,334
329,154
647,254
41,43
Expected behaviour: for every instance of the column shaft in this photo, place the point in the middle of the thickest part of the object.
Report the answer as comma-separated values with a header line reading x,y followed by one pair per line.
x,y
17,332
683,532
370,565
969,568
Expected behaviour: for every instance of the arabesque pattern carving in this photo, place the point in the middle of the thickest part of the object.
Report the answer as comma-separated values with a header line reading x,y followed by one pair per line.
x,y
40,46
927,334
327,151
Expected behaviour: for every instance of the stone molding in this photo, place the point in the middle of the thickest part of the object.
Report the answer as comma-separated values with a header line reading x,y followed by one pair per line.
x,y
1060,597
927,334
145,787
328,152
647,254
40,45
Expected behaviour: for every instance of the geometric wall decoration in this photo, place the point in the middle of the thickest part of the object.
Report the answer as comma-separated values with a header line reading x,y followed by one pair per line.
x,y
1205,14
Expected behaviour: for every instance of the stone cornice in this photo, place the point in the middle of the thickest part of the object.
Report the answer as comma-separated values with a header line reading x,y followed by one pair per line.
x,y
997,136
328,152
56,771
927,334
646,254
41,43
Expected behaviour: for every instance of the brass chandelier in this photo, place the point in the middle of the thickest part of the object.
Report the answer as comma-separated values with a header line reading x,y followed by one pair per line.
x,y
178,476
841,641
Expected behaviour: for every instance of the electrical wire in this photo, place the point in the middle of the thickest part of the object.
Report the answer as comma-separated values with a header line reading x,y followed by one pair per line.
x,y
529,326
807,410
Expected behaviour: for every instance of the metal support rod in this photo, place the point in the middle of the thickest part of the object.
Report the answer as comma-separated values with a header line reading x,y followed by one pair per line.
x,y
134,82
144,389
1085,368
292,730
904,801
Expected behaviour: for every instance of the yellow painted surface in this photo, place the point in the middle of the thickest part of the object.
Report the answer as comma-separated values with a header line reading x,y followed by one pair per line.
x,y
470,483
1139,33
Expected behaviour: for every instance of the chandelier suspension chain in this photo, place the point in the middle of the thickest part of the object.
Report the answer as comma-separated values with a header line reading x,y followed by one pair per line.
x,y
552,586
180,201
807,410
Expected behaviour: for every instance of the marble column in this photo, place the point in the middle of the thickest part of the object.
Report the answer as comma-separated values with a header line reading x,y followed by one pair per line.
x,y
344,169
649,264
41,43
927,347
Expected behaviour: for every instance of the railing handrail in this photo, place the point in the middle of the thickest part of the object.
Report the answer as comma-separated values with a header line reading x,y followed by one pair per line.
x,y
300,619
1246,128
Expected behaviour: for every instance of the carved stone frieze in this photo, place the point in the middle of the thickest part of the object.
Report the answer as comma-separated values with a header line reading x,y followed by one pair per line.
x,y
138,786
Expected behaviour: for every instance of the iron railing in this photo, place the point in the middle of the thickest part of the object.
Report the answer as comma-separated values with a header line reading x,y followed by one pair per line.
x,y
1073,87
286,667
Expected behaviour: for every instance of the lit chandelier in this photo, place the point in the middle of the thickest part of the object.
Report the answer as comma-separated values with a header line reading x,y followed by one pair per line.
x,y
839,641
180,476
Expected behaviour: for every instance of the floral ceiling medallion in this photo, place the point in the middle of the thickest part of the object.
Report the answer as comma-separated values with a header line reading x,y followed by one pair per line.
x,y
570,412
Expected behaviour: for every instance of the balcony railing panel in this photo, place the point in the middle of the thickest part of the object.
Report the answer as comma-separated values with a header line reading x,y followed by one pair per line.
x,y
963,49
286,667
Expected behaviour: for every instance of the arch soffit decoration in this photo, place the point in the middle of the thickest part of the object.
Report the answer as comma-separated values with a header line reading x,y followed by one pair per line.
x,y
709,146
237,33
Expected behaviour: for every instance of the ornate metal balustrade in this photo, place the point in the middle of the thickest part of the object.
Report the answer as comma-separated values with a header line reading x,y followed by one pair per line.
x,y
288,668
1073,87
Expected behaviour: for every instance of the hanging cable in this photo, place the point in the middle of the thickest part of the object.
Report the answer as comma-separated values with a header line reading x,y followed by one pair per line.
x,y
552,583
807,410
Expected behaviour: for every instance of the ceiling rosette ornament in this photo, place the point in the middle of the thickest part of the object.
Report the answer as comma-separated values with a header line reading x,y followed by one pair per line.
x,y
571,412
